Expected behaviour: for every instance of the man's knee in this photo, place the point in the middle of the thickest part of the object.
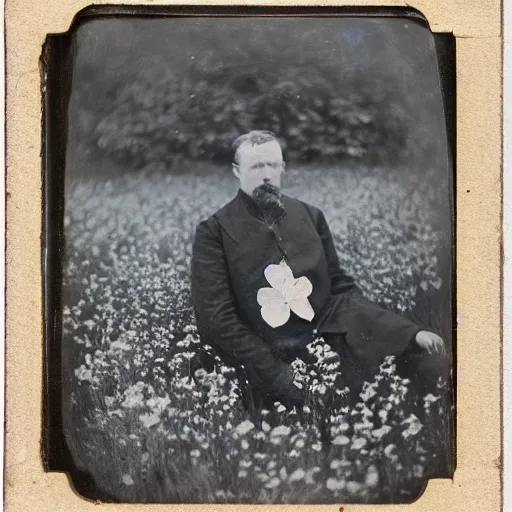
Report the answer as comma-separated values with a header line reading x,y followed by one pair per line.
x,y
425,369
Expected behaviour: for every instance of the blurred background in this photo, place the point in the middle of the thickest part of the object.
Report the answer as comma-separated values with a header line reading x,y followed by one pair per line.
x,y
155,105
151,91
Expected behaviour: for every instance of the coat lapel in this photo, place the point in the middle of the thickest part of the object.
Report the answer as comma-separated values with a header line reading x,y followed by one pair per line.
x,y
239,221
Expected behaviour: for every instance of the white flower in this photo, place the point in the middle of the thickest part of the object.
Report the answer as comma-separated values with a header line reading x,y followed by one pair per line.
x,y
272,484
298,474
358,443
342,427
341,440
414,426
309,478
335,464
200,373
389,450
417,471
335,485
381,432
119,345
150,419
244,427
372,477
282,430
353,487
368,393
317,446
287,294
127,480
365,412
89,324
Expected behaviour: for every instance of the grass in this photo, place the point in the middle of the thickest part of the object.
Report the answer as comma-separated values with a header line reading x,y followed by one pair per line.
x,y
148,429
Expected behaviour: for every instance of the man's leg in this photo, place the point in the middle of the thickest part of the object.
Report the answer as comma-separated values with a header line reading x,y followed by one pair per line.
x,y
420,367
253,399
424,371
352,373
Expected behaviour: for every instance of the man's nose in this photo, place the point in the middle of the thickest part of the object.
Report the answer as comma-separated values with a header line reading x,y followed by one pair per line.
x,y
266,180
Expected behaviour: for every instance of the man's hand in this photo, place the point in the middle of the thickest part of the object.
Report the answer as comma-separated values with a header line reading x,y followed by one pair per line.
x,y
430,342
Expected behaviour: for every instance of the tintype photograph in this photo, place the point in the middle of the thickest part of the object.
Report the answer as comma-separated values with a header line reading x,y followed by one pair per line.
x,y
254,270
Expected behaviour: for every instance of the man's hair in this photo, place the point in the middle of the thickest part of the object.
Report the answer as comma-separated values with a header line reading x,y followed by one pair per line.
x,y
254,137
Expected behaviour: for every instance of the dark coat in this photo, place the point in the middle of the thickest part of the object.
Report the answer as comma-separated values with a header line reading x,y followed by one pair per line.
x,y
230,253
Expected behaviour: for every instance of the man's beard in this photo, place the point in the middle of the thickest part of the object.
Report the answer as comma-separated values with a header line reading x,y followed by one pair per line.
x,y
269,200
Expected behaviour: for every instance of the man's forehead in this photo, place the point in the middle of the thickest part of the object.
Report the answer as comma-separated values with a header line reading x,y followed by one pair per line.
x,y
270,149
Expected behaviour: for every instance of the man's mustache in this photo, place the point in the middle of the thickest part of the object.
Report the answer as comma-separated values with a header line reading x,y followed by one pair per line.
x,y
266,191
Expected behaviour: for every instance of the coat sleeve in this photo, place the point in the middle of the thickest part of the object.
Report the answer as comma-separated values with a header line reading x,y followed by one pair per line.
x,y
372,332
218,320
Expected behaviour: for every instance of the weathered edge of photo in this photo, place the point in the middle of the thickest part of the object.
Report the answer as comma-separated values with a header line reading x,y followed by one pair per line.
x,y
52,197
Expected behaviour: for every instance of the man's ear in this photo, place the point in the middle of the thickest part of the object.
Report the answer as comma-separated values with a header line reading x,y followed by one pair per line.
x,y
284,166
236,170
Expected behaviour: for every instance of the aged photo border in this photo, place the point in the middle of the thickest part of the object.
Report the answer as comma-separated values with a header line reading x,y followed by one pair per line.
x,y
476,26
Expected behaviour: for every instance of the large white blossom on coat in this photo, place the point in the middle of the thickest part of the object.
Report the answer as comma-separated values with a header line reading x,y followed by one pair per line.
x,y
287,294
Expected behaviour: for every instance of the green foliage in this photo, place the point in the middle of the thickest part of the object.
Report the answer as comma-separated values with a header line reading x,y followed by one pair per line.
x,y
155,91
161,115
194,103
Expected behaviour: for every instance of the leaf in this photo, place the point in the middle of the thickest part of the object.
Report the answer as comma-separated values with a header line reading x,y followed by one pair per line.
x,y
277,275
300,289
276,315
268,296
303,309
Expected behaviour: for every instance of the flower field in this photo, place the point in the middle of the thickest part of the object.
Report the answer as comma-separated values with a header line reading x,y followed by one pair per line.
x,y
154,416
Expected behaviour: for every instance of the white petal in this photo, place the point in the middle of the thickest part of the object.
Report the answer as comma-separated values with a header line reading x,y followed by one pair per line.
x,y
267,296
300,289
277,275
287,286
302,308
277,315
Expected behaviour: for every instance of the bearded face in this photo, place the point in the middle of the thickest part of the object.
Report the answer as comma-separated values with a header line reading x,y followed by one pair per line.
x,y
269,200
257,163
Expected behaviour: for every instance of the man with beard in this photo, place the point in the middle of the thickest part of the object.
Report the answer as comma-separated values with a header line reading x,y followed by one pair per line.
x,y
266,278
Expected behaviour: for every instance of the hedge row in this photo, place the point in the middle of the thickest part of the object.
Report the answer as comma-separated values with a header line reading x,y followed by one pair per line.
x,y
161,115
